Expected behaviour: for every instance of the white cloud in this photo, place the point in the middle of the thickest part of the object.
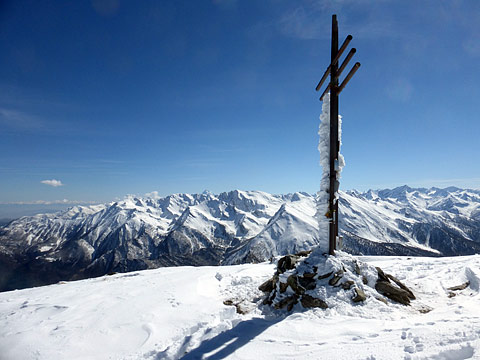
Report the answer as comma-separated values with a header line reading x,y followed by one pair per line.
x,y
52,182
154,195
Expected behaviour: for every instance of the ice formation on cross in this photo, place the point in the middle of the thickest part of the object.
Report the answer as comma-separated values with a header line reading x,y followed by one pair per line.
x,y
324,149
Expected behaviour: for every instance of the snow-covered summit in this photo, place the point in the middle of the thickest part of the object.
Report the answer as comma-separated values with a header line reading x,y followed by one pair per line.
x,y
216,313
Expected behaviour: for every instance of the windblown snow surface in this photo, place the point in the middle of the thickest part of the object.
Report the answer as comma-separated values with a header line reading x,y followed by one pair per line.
x,y
179,312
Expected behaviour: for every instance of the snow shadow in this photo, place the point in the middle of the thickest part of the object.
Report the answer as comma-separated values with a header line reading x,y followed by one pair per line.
x,y
227,342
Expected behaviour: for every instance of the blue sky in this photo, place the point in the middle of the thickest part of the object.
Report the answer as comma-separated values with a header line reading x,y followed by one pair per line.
x,y
127,97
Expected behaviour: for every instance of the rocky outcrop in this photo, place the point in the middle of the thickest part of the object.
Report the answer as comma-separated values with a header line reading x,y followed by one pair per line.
x,y
311,302
315,281
360,295
395,291
459,287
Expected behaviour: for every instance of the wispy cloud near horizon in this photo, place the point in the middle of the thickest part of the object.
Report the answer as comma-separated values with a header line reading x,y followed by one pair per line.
x,y
50,202
53,182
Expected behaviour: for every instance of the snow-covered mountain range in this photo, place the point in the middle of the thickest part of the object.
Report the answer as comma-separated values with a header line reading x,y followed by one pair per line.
x,y
230,228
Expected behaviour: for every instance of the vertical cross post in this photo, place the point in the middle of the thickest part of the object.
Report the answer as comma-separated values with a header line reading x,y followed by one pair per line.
x,y
335,89
333,225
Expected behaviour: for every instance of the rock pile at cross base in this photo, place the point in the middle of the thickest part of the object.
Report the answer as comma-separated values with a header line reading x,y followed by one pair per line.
x,y
318,280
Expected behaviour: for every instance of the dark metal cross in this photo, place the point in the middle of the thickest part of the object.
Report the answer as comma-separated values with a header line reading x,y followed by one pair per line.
x,y
335,90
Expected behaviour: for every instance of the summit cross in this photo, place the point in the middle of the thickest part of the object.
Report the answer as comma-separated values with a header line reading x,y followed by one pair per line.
x,y
335,89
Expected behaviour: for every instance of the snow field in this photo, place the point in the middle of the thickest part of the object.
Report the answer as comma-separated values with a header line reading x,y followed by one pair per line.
x,y
173,313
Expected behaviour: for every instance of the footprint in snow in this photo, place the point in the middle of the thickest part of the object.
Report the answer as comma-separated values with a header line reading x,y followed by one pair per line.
x,y
415,346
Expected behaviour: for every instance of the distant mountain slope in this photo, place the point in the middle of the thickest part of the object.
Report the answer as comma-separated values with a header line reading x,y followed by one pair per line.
x,y
230,228
443,221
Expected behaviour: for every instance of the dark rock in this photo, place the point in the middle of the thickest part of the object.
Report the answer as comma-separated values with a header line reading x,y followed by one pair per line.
x,y
320,277
283,287
307,283
311,302
381,275
357,269
360,295
238,306
288,301
268,285
269,299
459,287
240,309
266,301
451,294
292,281
287,262
395,293
364,280
425,309
309,275
347,285
336,278
402,286
392,292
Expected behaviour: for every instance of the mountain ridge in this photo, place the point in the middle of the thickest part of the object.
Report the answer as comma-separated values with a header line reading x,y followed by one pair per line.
x,y
230,228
